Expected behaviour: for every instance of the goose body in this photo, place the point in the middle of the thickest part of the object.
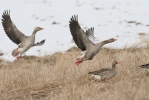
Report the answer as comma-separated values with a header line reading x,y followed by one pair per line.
x,y
82,41
105,73
25,45
24,42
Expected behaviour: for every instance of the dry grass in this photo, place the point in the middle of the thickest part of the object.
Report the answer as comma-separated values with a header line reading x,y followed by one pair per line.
x,y
57,78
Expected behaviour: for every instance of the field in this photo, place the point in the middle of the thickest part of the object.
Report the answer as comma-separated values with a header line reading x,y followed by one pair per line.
x,y
55,77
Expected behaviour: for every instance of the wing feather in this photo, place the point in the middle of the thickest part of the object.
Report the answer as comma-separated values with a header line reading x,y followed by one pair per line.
x,y
98,72
78,34
39,43
10,29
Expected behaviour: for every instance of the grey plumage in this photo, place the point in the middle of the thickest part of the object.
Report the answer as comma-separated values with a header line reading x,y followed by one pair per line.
x,y
83,42
106,73
77,33
24,42
10,29
39,43
89,33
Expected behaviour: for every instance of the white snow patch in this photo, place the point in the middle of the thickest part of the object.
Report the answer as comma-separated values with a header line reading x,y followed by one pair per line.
x,y
110,19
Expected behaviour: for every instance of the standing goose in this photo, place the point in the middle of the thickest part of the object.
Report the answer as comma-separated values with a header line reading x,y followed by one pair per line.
x,y
81,40
105,73
24,42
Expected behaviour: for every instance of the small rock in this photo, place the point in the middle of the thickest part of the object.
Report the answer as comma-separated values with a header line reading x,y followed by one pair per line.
x,y
42,19
96,8
37,18
138,23
55,23
1,54
142,34
131,22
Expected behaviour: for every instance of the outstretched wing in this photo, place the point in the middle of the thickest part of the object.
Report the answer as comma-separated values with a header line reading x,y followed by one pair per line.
x,y
90,32
39,43
10,29
78,34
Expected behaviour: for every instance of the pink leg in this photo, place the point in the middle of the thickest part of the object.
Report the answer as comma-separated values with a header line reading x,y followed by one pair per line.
x,y
104,80
77,62
16,52
18,58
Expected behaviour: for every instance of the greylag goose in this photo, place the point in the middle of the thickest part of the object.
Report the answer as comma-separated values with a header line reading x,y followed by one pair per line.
x,y
105,73
24,42
81,40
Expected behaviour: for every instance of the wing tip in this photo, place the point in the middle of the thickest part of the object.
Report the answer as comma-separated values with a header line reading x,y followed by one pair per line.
x,y
73,21
43,41
6,12
74,18
5,15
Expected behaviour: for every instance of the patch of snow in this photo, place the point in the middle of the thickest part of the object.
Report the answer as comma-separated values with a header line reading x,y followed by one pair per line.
x,y
110,19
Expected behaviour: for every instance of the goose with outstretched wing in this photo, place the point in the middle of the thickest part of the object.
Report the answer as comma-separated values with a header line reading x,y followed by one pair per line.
x,y
24,42
82,41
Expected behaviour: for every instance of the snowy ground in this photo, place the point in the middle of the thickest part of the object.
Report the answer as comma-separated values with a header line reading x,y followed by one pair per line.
x,y
121,19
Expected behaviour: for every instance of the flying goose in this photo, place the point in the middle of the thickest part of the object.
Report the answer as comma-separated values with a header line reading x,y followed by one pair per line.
x,y
81,40
24,42
105,73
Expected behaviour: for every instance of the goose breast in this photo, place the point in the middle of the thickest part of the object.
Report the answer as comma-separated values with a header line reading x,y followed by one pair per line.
x,y
28,43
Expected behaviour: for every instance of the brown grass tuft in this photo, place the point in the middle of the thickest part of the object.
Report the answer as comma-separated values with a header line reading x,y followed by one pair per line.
x,y
73,49
55,77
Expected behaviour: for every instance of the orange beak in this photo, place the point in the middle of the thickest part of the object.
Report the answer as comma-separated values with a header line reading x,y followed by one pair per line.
x,y
114,39
41,28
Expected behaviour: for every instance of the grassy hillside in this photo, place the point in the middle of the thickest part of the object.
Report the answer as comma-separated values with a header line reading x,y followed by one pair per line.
x,y
56,77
